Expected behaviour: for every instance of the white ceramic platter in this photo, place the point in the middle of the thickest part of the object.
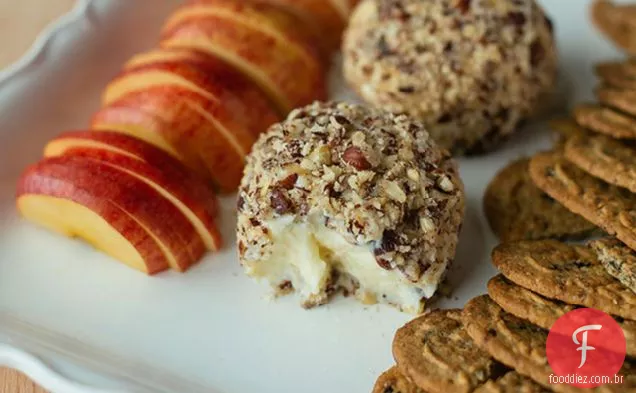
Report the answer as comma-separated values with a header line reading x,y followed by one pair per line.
x,y
212,329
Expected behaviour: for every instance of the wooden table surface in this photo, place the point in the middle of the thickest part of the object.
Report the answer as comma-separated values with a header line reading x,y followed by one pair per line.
x,y
20,23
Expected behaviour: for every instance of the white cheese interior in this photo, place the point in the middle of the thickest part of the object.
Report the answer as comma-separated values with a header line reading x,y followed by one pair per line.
x,y
305,254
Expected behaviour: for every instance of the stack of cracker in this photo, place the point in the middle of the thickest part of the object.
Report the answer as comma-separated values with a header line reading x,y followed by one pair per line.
x,y
498,342
585,186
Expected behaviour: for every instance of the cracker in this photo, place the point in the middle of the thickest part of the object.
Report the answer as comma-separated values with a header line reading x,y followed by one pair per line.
x,y
617,22
542,311
570,273
605,158
605,120
618,74
516,209
392,381
521,345
619,261
436,353
618,97
526,304
610,207
511,340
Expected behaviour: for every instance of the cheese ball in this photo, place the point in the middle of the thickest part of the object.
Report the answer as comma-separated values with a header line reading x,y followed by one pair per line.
x,y
470,70
344,197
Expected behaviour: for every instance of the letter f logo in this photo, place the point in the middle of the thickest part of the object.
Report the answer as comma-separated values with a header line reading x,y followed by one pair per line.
x,y
584,347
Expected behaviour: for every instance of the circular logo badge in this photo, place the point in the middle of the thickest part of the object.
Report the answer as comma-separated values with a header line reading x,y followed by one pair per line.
x,y
585,348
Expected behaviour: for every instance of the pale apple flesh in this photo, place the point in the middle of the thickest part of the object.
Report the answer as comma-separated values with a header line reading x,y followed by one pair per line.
x,y
201,213
293,78
77,214
64,177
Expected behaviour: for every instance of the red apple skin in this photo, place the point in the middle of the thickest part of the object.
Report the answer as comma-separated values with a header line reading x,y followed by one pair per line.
x,y
164,176
133,196
198,189
34,182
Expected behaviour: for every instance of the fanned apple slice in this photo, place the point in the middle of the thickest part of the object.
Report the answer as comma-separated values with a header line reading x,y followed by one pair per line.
x,y
197,136
165,180
318,21
144,126
210,114
177,76
132,147
176,236
60,206
268,51
227,95
104,226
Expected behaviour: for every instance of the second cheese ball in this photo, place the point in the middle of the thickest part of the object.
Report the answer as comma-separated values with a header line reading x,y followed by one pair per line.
x,y
340,196
471,70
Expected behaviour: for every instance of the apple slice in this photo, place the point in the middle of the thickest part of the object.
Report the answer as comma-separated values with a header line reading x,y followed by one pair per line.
x,y
198,137
211,115
269,50
61,207
63,177
166,175
129,146
141,125
104,226
229,97
175,75
318,21
164,181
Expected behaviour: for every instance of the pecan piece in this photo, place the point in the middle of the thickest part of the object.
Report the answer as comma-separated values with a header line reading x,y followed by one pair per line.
x,y
288,182
356,158
537,53
280,202
463,5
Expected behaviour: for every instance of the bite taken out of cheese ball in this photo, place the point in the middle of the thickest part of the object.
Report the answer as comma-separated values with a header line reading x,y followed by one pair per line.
x,y
340,197
470,70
